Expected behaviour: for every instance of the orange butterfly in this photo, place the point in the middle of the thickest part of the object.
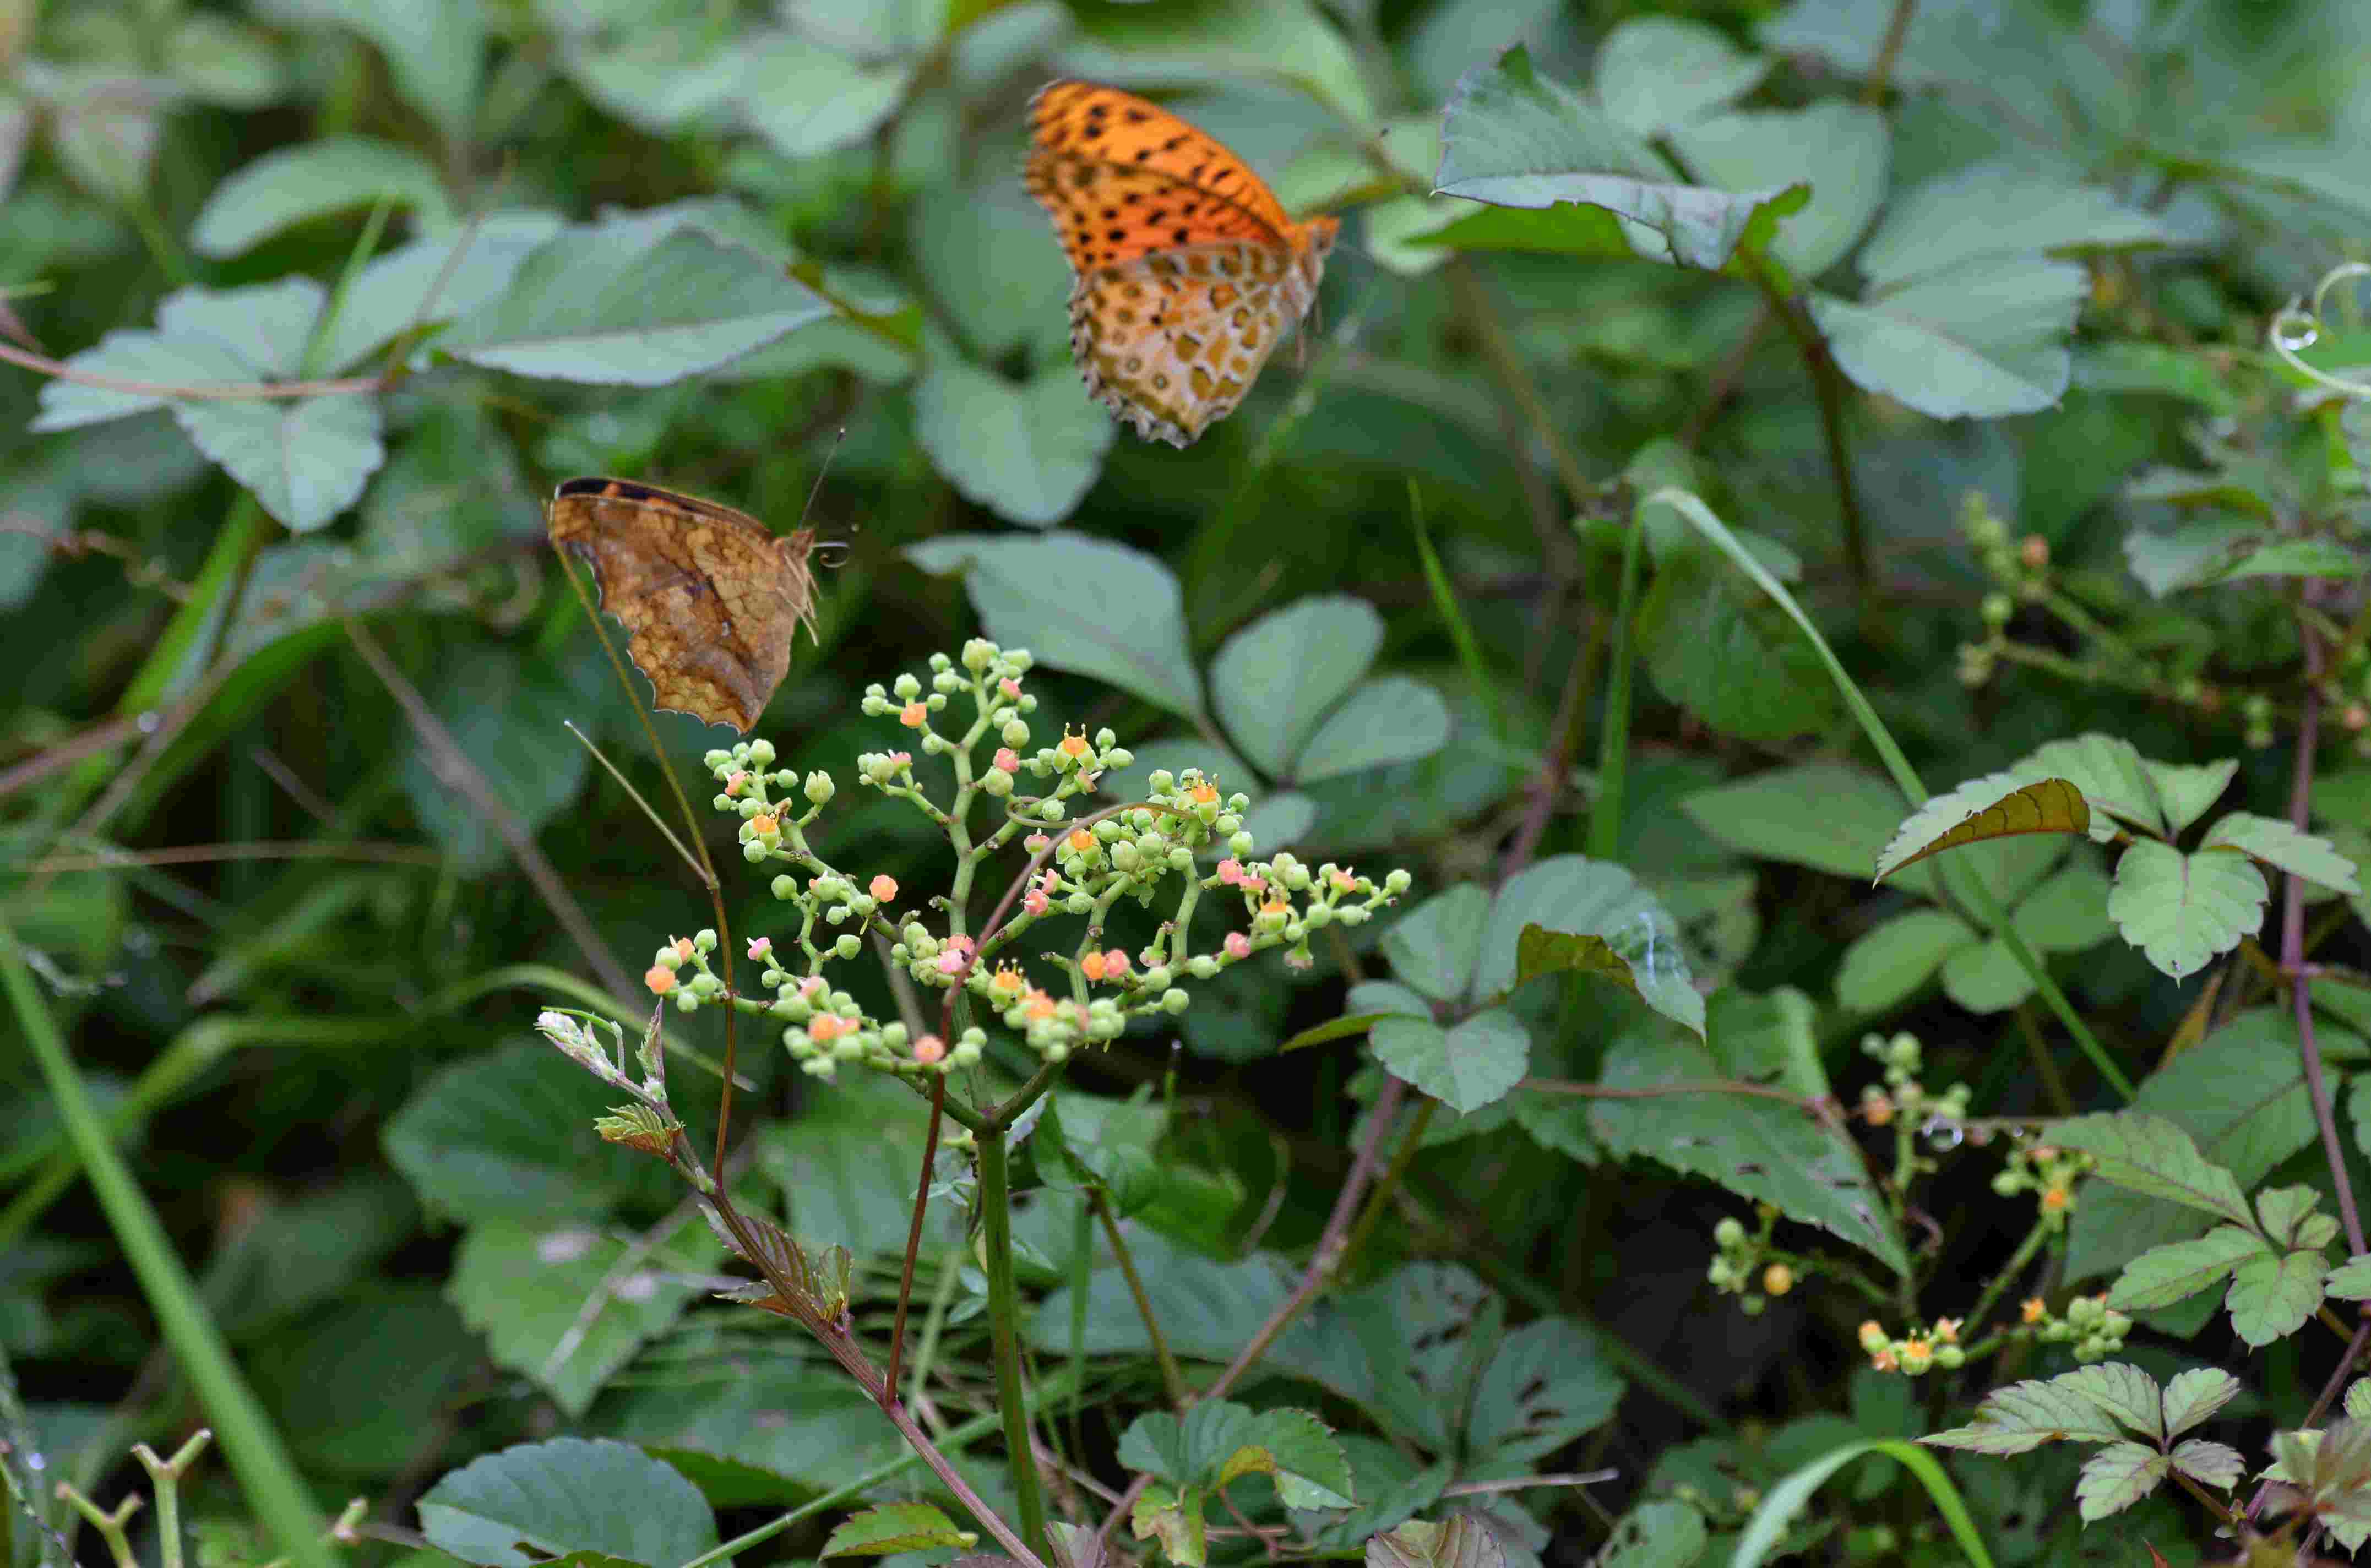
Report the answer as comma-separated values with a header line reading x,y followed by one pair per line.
x,y
1188,271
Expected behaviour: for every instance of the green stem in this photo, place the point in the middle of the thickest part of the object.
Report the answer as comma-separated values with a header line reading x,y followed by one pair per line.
x,y
1171,1377
1004,1340
1828,384
273,1488
1614,744
1378,1200
2014,1267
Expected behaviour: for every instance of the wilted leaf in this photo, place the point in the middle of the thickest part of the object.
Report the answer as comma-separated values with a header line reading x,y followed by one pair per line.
x,y
1993,807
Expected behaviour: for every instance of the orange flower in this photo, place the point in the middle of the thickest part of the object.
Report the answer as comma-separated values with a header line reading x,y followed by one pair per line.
x,y
930,1048
764,827
1037,1007
1082,840
1091,966
1882,1360
2032,1311
913,715
1948,1330
659,978
1073,746
883,888
1201,792
2053,1199
1778,1280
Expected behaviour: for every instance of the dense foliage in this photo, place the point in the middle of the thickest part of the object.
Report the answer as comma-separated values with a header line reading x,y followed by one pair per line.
x,y
1693,896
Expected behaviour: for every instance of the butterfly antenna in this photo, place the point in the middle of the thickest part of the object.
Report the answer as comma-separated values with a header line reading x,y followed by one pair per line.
x,y
838,436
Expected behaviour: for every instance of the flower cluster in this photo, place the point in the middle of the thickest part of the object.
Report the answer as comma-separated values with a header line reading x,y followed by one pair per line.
x,y
2047,1171
2094,1330
1739,1253
1904,1096
1085,858
1917,1353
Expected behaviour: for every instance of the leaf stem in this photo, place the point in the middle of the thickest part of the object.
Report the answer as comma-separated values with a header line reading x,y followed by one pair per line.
x,y
1004,1320
1171,1377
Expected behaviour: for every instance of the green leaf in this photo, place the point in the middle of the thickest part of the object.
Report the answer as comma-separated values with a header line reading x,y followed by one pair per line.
x,y
507,715
1576,896
1998,806
2002,213
1026,451
1761,1147
1658,74
2026,1414
1217,1441
2182,910
2288,1217
2069,911
1982,341
2152,1156
1512,139
567,1305
2213,1463
2273,1294
1541,951
1224,41
1824,815
1892,959
2117,1477
2279,844
303,1252
1843,149
311,179
848,1164
2194,1395
1434,946
2163,1276
490,1137
616,304
2133,366
1466,1066
343,1394
1079,605
1463,1542
2351,1280
1175,1521
563,1496
1655,1535
1387,721
306,459
1716,647
435,49
896,1528
1768,1528
1546,1386
1985,978
993,267
432,279
806,99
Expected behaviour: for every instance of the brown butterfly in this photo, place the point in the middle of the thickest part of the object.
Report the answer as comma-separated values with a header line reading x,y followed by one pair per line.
x,y
711,598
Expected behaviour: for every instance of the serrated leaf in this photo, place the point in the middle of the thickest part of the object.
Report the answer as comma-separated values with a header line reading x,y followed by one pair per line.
x,y
2351,1280
1574,894
2025,1415
1176,1522
2152,1156
2358,1397
2194,1395
2117,1477
1841,149
1434,948
611,305
1463,1542
2214,1464
1996,807
2163,1276
1513,139
2273,1295
2278,843
2287,1214
1542,951
892,1528
1654,1535
563,1496
1465,1067
2181,910
2110,771
1984,341
2186,792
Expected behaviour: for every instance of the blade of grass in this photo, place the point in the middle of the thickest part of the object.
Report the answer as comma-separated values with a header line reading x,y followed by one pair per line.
x,y
1614,744
273,1489
1461,631
1779,1506
1968,889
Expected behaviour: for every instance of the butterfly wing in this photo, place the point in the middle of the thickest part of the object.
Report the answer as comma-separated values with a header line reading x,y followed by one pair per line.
x,y
1122,177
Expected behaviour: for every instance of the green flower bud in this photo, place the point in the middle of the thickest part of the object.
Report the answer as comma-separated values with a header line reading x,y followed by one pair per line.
x,y
1728,1234
848,945
1174,1001
906,687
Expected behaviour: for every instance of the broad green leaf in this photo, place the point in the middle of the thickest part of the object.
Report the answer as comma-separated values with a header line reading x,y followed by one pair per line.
x,y
2126,1392
490,1137
1542,951
1761,1147
609,306
2190,554
1656,73
2132,366
2215,1464
1985,978
1982,341
1217,1441
1843,149
994,268
2163,1276
1289,40
2240,1093
1577,896
1714,644
426,283
1889,962
776,1425
1388,720
354,1412
2002,213
306,459
1465,1067
896,1528
2288,1217
507,715
1079,605
1028,451
563,1496
1434,946
663,73
2117,1477
237,336
1546,1386
311,179
2279,844
1463,1542
2069,911
303,1252
1824,815
567,1305
1655,1535
2024,1415
435,49
2273,1295
806,99
1770,1037
1513,139
847,1167
1996,806
2351,1280
226,63
2193,1396
2182,910
2153,1156
1562,230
